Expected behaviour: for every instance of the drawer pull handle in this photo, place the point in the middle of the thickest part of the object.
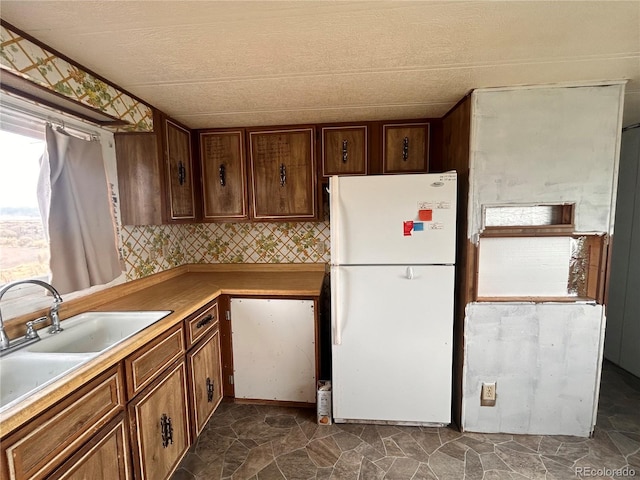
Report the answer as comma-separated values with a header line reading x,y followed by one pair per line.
x,y
209,390
405,149
167,430
201,323
345,153
222,174
283,175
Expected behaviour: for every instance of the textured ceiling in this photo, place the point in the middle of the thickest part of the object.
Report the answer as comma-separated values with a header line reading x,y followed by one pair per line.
x,y
219,64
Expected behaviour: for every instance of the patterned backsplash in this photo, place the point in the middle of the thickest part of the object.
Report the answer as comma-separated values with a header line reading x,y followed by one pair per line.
x,y
152,248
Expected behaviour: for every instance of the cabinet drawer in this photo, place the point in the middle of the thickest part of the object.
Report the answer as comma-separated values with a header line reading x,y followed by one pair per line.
x,y
144,365
33,451
201,324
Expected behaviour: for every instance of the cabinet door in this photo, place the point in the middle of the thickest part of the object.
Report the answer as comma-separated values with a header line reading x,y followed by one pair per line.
x,y
160,425
344,150
205,376
222,162
179,172
105,457
405,148
283,174
139,180
274,349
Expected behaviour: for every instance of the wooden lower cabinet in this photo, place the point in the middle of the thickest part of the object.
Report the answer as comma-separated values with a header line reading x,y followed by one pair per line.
x,y
159,422
41,446
205,380
105,457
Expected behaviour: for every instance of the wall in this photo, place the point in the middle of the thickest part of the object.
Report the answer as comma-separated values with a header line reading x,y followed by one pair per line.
x,y
151,249
623,310
531,145
544,359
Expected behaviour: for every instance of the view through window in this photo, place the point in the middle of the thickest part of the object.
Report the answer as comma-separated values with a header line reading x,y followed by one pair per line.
x,y
24,251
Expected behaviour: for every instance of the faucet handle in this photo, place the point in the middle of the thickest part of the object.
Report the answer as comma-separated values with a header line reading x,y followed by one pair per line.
x,y
31,332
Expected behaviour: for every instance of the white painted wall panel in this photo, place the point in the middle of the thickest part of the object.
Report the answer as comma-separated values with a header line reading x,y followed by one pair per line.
x,y
546,145
524,266
544,359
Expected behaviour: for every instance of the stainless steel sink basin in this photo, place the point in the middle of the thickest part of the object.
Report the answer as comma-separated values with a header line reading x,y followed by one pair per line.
x,y
84,337
95,331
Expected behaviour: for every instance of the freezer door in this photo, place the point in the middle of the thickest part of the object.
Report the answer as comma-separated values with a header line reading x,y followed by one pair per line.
x,y
392,343
393,219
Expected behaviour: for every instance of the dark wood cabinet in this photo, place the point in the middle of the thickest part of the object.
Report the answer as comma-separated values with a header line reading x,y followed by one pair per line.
x,y
139,178
405,147
179,173
224,178
283,176
344,150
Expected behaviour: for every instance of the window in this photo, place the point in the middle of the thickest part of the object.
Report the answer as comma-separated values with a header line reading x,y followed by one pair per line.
x,y
24,251
24,248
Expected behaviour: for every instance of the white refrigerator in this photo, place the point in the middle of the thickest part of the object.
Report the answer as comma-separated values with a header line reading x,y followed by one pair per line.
x,y
393,243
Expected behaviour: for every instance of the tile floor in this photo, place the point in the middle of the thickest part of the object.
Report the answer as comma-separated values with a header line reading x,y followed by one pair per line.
x,y
265,443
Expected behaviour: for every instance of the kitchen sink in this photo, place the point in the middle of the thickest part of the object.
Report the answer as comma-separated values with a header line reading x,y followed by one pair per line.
x,y
95,331
23,373
84,337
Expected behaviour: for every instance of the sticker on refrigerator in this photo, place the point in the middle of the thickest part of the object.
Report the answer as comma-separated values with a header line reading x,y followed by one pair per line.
x,y
418,226
425,215
436,226
443,205
408,227
425,205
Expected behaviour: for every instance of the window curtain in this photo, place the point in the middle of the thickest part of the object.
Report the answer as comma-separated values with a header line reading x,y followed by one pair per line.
x,y
74,201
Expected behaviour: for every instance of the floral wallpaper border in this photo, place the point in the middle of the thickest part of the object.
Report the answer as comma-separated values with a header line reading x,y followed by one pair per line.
x,y
153,248
40,66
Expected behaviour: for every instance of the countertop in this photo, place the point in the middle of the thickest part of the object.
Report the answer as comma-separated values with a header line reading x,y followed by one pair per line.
x,y
183,290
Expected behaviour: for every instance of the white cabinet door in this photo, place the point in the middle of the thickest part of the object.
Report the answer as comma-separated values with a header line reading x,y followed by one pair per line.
x,y
274,350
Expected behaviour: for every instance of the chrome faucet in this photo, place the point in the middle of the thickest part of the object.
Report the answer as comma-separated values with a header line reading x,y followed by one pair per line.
x,y
53,313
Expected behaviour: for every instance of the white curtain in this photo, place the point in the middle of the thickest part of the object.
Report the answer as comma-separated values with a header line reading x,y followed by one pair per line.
x,y
75,205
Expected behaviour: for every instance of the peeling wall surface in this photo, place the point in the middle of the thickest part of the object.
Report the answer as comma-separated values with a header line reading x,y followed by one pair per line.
x,y
532,146
544,360
546,145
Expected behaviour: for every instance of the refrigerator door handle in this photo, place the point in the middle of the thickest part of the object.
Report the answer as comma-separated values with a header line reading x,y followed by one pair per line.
x,y
410,273
335,306
334,211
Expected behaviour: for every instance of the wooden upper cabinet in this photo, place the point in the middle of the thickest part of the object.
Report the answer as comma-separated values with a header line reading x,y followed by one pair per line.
x,y
222,163
139,178
283,183
405,148
344,150
179,166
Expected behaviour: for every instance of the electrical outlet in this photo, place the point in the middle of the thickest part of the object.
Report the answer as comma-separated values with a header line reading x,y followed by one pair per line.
x,y
488,394
320,248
